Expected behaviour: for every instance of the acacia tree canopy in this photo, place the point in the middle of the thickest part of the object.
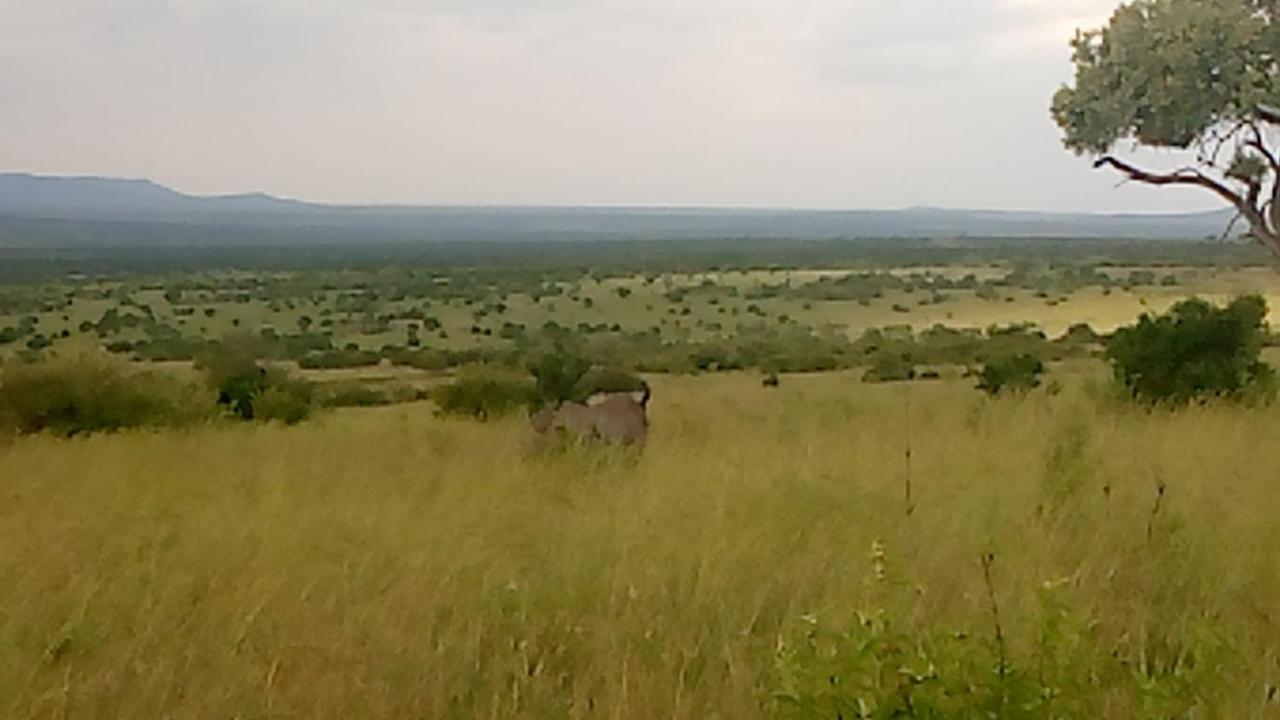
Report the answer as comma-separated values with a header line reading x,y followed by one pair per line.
x,y
1195,75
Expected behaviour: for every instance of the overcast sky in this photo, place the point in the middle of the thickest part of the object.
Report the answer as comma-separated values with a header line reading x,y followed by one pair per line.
x,y
797,103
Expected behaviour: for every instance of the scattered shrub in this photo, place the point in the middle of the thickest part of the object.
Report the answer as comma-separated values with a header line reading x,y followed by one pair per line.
x,y
1015,373
10,335
484,393
890,367
284,400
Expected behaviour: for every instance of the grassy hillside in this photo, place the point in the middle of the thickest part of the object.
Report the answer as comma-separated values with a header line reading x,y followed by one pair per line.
x,y
389,564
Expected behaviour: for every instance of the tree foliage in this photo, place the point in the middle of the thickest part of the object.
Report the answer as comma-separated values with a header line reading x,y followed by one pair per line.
x,y
567,376
556,376
250,391
1196,75
485,393
1194,352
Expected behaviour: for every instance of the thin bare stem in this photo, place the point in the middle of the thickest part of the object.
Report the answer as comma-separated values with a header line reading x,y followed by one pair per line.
x,y
988,559
907,492
1155,510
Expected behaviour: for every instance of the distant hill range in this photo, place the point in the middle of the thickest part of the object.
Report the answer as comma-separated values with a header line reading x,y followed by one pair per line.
x,y
39,211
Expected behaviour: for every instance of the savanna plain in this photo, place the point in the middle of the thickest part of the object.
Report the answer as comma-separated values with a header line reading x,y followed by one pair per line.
x,y
836,546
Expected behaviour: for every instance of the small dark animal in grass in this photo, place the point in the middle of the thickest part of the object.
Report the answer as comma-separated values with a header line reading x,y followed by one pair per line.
x,y
771,381
618,418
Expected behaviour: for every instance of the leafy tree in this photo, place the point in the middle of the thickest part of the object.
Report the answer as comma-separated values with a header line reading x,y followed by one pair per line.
x,y
253,392
232,370
556,375
1202,76
1194,352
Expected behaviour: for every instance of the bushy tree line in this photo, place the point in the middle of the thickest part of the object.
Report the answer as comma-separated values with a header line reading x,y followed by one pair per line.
x,y
487,391
95,392
92,393
1194,353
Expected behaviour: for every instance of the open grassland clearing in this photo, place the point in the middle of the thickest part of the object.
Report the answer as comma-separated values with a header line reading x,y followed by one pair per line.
x,y
382,563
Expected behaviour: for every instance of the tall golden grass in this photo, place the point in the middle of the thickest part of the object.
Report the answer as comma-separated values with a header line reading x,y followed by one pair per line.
x,y
386,563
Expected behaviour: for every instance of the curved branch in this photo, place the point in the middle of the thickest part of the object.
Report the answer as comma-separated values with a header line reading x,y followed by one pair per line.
x,y
1257,143
1185,176
1246,206
1269,114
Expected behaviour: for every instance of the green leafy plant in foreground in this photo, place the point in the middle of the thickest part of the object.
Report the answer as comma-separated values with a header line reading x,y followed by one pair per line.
x,y
1061,661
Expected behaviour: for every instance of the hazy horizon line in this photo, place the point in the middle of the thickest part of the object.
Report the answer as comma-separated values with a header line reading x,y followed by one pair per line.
x,y
617,206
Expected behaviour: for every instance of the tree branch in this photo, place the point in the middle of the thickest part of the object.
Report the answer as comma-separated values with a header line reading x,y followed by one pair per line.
x,y
1257,143
1186,176
1246,206
1269,114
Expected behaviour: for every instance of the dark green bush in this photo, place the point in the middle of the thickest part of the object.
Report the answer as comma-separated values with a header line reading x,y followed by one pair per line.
x,y
235,376
38,342
284,400
1014,373
890,367
251,391
485,392
93,393
1195,352
556,376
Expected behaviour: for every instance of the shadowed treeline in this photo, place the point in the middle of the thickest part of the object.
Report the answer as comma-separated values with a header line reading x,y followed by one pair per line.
x,y
41,249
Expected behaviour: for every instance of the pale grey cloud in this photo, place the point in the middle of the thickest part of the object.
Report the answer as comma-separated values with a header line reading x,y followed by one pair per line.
x,y
738,102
